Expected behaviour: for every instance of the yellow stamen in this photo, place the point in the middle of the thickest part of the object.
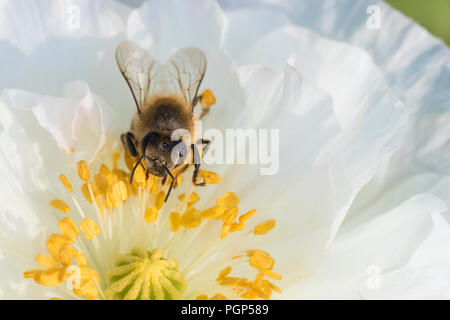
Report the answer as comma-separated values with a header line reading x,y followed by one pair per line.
x,y
219,296
236,226
89,228
229,216
151,214
193,198
60,205
209,177
68,227
247,215
272,275
80,258
48,278
83,170
160,200
260,260
264,227
30,274
227,201
191,218
45,261
224,272
212,213
66,182
207,98
117,193
65,255
174,221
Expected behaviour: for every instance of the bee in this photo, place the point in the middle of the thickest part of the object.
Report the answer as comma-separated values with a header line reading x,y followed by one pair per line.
x,y
165,98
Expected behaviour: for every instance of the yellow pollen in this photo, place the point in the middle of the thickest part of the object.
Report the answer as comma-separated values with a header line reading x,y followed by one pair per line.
x,y
207,98
219,296
117,193
226,271
272,275
86,193
151,214
247,215
191,218
237,226
65,255
193,198
45,261
104,170
60,205
50,277
160,200
260,260
264,227
68,227
89,228
229,216
174,221
144,274
83,170
225,230
80,258
66,182
212,213
209,177
227,201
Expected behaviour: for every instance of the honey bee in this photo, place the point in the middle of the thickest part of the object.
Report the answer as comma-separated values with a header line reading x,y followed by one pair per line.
x,y
165,97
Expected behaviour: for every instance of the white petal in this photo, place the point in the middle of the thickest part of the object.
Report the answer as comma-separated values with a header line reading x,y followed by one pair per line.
x,y
28,24
417,68
165,26
377,246
426,276
75,121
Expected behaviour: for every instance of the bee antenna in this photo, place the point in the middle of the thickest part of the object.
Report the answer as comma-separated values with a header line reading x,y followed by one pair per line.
x,y
171,183
134,168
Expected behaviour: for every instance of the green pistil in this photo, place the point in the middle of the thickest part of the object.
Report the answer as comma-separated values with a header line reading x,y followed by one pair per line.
x,y
145,275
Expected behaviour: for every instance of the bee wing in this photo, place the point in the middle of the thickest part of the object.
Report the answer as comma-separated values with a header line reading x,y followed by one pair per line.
x,y
139,69
185,72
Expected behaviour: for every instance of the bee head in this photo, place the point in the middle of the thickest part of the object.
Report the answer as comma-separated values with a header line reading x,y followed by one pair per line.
x,y
161,153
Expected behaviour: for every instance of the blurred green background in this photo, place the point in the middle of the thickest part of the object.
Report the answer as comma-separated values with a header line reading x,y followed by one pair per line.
x,y
434,15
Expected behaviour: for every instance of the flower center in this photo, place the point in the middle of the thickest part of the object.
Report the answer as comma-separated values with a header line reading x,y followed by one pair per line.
x,y
145,275
86,258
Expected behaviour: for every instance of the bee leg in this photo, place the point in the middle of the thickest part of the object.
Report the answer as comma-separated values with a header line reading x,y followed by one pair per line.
x,y
196,161
147,173
163,180
171,183
206,144
128,141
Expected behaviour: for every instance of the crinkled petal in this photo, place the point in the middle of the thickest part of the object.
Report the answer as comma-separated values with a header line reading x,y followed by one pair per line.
x,y
426,276
360,256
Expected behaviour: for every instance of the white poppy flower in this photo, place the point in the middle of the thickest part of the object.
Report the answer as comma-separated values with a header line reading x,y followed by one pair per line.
x,y
338,121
